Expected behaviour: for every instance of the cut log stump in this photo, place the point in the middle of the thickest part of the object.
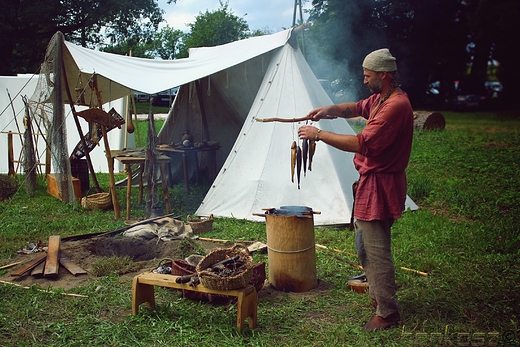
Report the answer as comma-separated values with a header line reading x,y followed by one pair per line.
x,y
426,120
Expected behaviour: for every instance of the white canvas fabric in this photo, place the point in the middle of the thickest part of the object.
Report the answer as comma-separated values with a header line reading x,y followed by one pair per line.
x,y
119,74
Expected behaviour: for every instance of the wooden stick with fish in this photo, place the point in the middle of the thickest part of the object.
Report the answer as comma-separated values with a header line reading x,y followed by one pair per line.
x,y
312,150
293,160
305,153
298,164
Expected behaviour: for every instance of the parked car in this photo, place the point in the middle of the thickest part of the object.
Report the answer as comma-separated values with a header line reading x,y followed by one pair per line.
x,y
468,94
141,97
164,98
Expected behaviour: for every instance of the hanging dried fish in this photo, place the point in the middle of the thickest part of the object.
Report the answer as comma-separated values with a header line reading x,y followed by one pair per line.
x,y
298,163
312,150
293,160
305,153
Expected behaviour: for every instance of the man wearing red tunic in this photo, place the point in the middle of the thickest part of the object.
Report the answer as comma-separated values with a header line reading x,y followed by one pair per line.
x,y
382,151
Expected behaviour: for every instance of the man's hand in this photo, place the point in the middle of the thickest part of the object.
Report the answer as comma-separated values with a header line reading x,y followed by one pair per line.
x,y
344,110
307,132
320,113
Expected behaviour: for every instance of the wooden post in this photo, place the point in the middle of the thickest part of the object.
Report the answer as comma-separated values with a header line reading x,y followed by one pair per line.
x,y
164,184
205,136
110,160
48,160
128,190
138,142
10,154
81,137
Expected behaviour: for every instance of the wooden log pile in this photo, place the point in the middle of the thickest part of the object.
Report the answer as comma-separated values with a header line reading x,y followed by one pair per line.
x,y
426,120
48,263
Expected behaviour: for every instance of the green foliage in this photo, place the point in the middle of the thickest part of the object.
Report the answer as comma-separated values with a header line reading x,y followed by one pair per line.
x,y
215,28
133,47
167,43
93,22
27,27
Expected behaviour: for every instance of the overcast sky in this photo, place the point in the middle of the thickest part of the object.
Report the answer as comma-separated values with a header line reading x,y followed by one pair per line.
x,y
259,14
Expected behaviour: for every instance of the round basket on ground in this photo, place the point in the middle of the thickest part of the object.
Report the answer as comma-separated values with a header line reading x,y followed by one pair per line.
x,y
199,225
239,279
101,201
358,286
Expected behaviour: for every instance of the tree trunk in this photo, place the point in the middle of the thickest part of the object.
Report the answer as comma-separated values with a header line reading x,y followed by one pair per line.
x,y
425,120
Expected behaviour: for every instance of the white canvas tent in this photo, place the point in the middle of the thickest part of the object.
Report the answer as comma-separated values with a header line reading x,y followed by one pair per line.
x,y
12,111
222,91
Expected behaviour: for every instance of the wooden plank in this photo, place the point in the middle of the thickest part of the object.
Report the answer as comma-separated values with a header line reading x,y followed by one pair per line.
x,y
72,267
99,116
52,264
38,270
29,265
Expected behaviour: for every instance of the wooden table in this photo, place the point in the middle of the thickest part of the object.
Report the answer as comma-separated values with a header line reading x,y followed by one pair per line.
x,y
194,151
143,292
128,161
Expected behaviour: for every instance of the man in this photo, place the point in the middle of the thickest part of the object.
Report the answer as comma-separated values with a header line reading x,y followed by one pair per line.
x,y
382,151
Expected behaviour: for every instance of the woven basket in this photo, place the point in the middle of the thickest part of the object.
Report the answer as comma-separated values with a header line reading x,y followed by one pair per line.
x,y
214,281
200,225
101,201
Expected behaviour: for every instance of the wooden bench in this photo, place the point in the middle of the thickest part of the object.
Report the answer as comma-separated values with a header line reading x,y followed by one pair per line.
x,y
143,292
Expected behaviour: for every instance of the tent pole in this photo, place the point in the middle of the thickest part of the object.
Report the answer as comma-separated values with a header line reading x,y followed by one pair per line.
x,y
78,126
136,120
205,137
110,160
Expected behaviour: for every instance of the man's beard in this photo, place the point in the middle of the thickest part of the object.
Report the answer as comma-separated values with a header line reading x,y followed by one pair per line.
x,y
376,87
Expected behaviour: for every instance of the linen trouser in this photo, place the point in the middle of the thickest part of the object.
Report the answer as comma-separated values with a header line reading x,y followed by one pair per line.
x,y
374,251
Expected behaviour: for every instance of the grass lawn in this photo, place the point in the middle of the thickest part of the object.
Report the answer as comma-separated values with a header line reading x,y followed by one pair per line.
x,y
466,181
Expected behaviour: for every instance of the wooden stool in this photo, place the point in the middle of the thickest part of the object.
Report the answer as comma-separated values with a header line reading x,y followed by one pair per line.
x,y
143,292
128,161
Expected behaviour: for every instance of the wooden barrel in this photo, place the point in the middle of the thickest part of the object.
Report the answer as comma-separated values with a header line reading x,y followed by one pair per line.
x,y
291,250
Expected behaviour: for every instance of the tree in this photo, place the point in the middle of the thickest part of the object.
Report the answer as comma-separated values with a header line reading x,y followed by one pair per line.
x,y
25,29
90,22
27,26
493,24
167,43
215,28
132,47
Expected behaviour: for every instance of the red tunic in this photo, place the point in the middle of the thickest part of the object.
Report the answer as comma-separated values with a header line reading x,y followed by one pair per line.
x,y
386,143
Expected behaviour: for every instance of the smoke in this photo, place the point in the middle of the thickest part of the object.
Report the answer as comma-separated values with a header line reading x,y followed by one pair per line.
x,y
342,34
